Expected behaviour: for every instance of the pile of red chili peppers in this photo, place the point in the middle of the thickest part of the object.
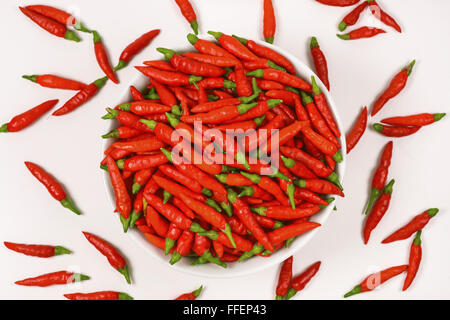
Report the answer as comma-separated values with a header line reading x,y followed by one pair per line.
x,y
194,192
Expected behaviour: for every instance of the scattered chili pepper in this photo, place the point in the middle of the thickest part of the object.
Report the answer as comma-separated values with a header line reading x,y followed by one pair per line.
x,y
320,62
54,278
115,259
416,224
338,3
97,296
363,32
395,131
191,296
27,118
378,211
123,200
324,108
53,186
55,82
353,16
286,213
396,85
415,257
269,21
102,58
284,279
41,251
300,282
188,12
381,15
357,131
376,279
420,120
60,16
293,230
52,26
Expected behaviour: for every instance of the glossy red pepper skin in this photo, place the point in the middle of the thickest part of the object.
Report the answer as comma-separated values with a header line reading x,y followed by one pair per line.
x,y
396,85
154,219
321,143
376,279
55,82
55,14
160,64
284,213
135,47
99,296
281,77
137,163
319,186
353,16
145,107
145,145
81,97
324,108
381,15
209,214
416,224
52,26
190,296
285,277
27,118
167,77
300,282
284,233
338,3
54,278
102,58
53,186
320,62
123,200
363,32
422,119
233,46
243,85
209,106
378,211
155,240
188,12
269,21
169,212
415,257
210,48
357,131
41,251
190,66
115,259
395,131
315,165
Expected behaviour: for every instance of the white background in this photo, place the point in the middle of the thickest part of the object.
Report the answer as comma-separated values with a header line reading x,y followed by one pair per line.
x,y
71,147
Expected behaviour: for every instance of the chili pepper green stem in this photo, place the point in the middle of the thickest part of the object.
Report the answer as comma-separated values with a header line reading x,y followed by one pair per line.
x,y
410,67
344,36
269,40
166,197
338,157
78,277
113,134
334,178
438,116
241,40
176,256
207,192
260,210
417,240
192,38
290,190
61,250
290,294
70,35
194,26
374,194
32,78
354,291
216,35
125,273
196,228
135,216
258,73
210,202
136,188
197,292
67,203
257,248
210,258
342,26
288,242
151,124
246,192
227,231
4,128
124,296
169,243
227,208
125,223
122,64
168,54
432,212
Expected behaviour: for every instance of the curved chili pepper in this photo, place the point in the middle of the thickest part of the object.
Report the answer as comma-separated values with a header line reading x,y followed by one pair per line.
x,y
315,165
321,143
134,48
422,119
160,64
324,108
54,278
98,296
181,178
243,86
363,32
173,234
220,115
188,12
298,168
27,118
138,209
191,296
416,224
220,61
282,77
155,240
319,186
255,192
381,15
55,82
168,77
233,46
52,26
123,200
288,97
338,3
201,244
300,282
320,62
415,257
144,107
123,132
284,233
183,247
269,21
207,47
268,185
81,97
283,136
259,110
60,16
357,131
102,57
376,279
153,219
53,186
395,131
137,163
191,66
115,259
378,211
284,213
284,279
128,119
41,251
352,17
396,85
145,145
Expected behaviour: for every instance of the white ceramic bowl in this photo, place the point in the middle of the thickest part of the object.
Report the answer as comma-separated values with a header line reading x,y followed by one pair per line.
x,y
255,264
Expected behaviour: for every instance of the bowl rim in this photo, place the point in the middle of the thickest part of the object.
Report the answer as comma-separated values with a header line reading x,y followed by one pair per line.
x,y
280,255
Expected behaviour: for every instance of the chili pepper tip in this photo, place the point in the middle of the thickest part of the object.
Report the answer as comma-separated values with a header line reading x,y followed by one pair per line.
x,y
417,240
135,216
169,244
113,134
354,291
290,190
78,277
176,256
168,54
288,242
410,67
197,292
227,231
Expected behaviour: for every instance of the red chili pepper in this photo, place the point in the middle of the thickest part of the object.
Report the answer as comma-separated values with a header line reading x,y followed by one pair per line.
x,y
309,196
320,62
283,136
102,58
123,200
357,131
220,61
220,115
243,86
207,47
184,246
396,85
136,94
315,165
284,233
380,177
135,47
188,12
363,32
27,118
53,186
191,296
284,213
282,77
259,110
115,259
269,21
137,163
98,296
378,211
338,3
395,131
352,17
381,15
123,132
144,107
234,179
321,143
155,240
54,278
157,222
55,82
52,26
415,257
324,108
168,77
300,282
176,189
146,145
81,97
160,64
288,97
416,224
319,186
284,279
268,185
181,178
233,46
376,279
41,251
420,120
